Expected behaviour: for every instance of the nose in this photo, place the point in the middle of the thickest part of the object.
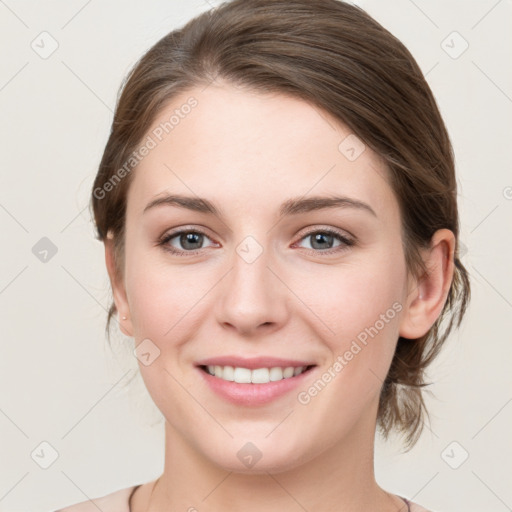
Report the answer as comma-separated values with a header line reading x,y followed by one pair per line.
x,y
253,299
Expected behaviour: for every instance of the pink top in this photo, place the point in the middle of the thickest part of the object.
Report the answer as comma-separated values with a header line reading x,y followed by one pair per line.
x,y
118,501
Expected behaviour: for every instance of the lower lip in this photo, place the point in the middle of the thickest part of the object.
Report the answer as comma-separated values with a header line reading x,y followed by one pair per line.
x,y
252,394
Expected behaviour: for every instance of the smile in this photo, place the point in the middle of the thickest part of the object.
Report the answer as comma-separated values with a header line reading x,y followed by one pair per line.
x,y
243,375
253,381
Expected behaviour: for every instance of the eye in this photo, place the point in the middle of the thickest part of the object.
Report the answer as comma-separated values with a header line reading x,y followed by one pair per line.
x,y
190,240
323,240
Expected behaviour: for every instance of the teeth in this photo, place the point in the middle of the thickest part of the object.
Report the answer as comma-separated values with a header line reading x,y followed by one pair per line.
x,y
242,375
228,373
256,376
288,372
276,374
259,376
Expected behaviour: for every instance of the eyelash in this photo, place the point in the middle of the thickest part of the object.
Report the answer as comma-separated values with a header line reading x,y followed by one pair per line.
x,y
347,242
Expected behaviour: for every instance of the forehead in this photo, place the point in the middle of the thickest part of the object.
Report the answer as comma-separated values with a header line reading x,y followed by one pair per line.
x,y
228,143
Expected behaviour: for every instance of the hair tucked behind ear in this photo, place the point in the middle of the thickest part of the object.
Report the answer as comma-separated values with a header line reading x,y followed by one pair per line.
x,y
337,57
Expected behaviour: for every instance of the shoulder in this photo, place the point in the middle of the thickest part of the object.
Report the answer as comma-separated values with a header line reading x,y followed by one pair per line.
x,y
415,507
412,506
116,501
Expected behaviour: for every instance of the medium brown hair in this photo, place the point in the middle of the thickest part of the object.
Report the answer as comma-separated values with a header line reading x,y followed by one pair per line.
x,y
335,56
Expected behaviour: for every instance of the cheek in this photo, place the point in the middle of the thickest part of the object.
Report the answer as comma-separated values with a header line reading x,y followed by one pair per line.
x,y
353,297
167,302
361,305
156,295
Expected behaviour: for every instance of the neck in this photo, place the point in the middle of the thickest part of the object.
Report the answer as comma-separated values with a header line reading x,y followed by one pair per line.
x,y
340,479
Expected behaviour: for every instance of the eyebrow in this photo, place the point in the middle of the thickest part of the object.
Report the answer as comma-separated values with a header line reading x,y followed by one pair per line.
x,y
292,206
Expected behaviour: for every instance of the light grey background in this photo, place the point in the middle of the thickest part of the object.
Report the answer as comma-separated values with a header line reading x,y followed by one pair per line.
x,y
60,384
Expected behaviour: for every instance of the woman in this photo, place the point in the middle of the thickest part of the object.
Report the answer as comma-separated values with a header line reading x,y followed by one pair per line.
x,y
277,201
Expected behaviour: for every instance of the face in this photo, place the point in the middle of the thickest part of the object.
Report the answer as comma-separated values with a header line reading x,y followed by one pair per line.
x,y
277,277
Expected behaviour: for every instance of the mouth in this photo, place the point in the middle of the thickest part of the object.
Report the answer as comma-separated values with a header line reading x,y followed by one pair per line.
x,y
264,375
253,382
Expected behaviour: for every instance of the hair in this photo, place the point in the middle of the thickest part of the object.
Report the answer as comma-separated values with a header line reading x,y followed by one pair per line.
x,y
337,57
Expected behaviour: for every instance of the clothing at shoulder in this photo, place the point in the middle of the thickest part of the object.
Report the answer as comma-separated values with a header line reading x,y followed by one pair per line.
x,y
116,501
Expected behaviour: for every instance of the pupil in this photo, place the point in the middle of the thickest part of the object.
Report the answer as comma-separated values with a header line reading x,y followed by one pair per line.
x,y
191,238
319,237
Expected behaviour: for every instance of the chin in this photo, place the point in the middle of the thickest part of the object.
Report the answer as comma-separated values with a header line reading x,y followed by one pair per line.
x,y
260,456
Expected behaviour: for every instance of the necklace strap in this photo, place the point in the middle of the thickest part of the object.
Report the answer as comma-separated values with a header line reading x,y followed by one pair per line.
x,y
130,497
407,502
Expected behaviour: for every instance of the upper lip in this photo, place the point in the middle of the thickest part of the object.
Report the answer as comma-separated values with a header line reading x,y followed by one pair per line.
x,y
253,362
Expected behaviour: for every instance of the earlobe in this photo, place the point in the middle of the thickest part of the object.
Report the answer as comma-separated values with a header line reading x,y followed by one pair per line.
x,y
428,294
118,289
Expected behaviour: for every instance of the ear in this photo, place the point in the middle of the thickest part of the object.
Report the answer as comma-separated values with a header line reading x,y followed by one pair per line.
x,y
118,288
427,295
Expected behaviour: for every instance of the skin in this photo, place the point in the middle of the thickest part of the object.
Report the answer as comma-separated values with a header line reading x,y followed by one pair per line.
x,y
248,153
